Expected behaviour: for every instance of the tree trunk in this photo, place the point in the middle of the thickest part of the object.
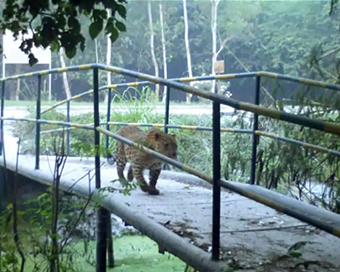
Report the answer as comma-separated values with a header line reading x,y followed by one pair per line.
x,y
214,6
165,66
15,95
152,46
65,78
187,46
18,90
96,48
108,57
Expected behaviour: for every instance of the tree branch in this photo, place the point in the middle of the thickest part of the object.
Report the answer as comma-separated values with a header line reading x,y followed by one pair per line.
x,y
222,43
322,70
329,53
245,68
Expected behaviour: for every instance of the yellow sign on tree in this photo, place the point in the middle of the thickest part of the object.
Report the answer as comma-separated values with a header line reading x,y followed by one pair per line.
x,y
219,67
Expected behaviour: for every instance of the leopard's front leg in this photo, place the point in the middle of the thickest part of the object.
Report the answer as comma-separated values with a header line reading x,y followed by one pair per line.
x,y
155,170
138,174
120,167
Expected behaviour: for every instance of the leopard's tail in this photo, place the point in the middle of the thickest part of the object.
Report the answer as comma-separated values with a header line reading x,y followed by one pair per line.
x,y
111,159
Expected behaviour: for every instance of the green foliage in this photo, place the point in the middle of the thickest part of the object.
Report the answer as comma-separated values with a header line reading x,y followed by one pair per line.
x,y
34,228
76,254
59,25
127,187
261,36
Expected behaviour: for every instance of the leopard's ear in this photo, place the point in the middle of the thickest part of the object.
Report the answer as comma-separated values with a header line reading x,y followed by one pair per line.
x,y
153,135
173,135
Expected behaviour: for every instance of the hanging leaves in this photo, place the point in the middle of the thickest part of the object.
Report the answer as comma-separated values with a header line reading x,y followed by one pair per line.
x,y
59,26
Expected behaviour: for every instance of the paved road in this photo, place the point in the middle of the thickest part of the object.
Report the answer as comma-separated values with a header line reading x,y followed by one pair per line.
x,y
21,112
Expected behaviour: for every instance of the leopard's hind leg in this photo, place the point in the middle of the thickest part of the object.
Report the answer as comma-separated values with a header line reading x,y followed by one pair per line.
x,y
138,173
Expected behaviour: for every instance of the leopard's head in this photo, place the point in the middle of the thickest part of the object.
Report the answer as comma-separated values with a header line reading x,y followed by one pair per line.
x,y
163,143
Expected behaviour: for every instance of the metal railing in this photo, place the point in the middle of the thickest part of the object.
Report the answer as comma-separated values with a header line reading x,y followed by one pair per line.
x,y
136,84
167,109
322,219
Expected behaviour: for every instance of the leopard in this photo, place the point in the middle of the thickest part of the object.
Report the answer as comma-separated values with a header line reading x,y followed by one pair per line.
x,y
154,139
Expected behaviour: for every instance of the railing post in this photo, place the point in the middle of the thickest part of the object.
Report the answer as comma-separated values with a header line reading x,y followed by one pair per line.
x,y
166,120
2,114
255,127
216,205
2,170
2,183
96,124
37,125
108,117
68,119
167,108
110,249
102,213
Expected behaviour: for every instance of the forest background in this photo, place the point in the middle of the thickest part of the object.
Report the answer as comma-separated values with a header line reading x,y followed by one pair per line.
x,y
185,38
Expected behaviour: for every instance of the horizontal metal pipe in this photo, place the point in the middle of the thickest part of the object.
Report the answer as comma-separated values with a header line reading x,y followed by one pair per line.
x,y
143,83
198,128
301,80
83,67
300,143
320,218
180,127
90,126
275,114
75,97
203,78
50,122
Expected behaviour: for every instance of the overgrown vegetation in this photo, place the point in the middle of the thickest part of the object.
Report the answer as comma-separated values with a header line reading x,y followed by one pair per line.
x,y
39,235
59,25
